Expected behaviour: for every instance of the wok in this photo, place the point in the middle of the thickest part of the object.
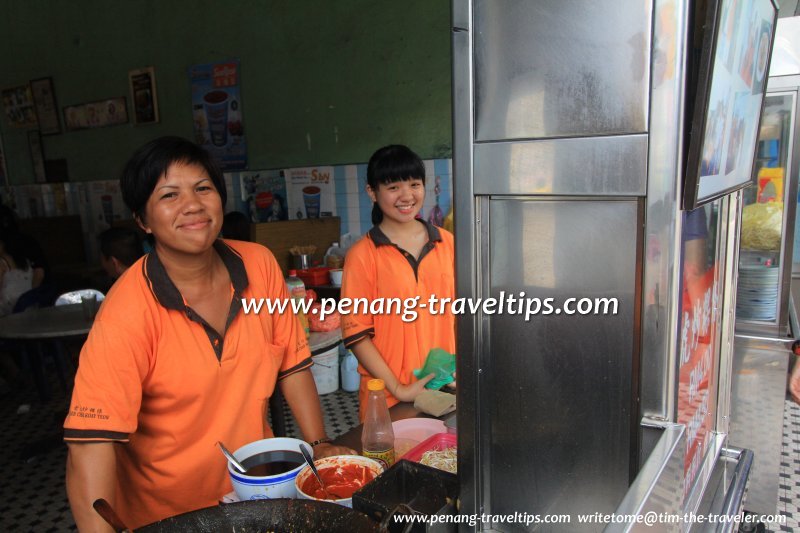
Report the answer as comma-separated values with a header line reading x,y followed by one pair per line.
x,y
261,516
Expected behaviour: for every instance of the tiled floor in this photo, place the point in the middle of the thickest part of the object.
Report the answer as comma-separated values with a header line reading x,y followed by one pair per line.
x,y
789,477
33,497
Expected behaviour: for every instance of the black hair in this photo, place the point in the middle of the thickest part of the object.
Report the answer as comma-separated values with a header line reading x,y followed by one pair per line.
x,y
150,162
236,225
8,220
124,244
389,164
14,245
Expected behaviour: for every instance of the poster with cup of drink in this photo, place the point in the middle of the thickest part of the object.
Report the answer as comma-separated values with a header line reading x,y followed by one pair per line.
x,y
217,113
312,192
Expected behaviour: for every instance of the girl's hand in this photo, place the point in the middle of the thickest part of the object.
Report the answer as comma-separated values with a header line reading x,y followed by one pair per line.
x,y
327,449
409,393
452,385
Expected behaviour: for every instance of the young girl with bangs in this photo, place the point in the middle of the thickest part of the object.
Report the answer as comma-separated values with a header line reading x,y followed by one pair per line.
x,y
401,257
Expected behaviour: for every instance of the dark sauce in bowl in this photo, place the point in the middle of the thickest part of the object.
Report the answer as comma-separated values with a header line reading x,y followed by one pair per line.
x,y
272,463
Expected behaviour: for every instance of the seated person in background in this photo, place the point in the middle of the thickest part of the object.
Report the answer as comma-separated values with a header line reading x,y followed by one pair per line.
x,y
29,246
16,272
400,257
119,249
172,364
236,226
16,279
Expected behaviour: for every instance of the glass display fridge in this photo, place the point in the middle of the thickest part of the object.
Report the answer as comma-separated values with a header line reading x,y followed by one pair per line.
x,y
768,223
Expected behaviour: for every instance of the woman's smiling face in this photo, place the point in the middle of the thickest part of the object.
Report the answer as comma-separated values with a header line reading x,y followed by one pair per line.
x,y
184,211
400,201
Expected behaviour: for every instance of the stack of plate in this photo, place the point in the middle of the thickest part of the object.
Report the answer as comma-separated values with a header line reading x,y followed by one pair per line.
x,y
757,290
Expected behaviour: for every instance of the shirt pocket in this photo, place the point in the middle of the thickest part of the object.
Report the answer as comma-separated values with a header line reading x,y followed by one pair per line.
x,y
265,370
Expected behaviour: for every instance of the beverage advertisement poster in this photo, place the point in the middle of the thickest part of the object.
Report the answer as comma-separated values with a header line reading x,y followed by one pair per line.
x,y
311,192
217,113
699,338
264,196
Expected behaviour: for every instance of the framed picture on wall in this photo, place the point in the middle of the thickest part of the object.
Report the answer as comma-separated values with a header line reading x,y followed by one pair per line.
x,y
18,105
96,114
143,95
44,99
37,156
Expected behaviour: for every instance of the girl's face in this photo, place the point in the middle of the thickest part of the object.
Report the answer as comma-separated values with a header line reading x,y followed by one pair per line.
x,y
184,211
400,201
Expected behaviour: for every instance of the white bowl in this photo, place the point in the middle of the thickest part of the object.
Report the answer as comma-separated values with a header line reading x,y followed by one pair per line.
x,y
266,487
336,276
334,461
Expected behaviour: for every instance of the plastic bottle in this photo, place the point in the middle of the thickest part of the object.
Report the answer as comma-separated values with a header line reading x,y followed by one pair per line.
x,y
334,257
349,372
377,438
297,291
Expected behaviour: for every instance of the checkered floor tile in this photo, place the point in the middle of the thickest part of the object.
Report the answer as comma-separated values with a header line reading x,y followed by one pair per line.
x,y
789,477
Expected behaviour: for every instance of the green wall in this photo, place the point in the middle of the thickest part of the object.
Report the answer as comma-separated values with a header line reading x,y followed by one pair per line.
x,y
350,75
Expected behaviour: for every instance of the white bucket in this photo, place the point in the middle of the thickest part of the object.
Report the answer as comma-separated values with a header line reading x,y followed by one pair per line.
x,y
326,371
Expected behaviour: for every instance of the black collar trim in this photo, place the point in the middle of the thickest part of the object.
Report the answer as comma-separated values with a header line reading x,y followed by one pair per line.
x,y
380,238
168,295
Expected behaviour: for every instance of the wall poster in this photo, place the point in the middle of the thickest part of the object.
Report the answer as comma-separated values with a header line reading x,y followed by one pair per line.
x,y
143,95
18,105
217,113
44,98
312,192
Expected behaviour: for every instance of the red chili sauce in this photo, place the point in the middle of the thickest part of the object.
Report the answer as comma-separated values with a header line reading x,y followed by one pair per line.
x,y
341,481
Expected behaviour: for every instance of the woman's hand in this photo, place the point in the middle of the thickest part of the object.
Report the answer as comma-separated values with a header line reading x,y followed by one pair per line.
x,y
409,393
327,449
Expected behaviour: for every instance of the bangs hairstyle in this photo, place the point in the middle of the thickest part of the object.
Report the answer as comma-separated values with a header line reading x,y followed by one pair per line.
x,y
150,162
389,164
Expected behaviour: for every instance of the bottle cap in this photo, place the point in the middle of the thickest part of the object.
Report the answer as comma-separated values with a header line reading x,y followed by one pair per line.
x,y
293,272
375,384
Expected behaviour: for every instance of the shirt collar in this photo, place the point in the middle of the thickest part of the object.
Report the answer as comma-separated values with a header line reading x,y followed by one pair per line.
x,y
380,238
168,295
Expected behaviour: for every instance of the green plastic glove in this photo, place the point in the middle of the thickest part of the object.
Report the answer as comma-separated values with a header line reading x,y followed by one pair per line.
x,y
439,362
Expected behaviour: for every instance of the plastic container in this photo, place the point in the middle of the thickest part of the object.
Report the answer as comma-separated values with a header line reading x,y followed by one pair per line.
x,y
438,442
351,379
377,437
313,277
297,291
334,257
326,371
336,276
422,488
410,432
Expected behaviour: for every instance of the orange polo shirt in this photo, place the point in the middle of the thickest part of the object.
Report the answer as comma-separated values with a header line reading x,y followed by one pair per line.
x,y
376,268
156,378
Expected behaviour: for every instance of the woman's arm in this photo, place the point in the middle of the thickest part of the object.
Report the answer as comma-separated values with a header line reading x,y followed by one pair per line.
x,y
300,392
91,474
370,358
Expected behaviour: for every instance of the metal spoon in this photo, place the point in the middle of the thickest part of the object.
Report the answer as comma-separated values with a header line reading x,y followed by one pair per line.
x,y
310,462
105,510
235,462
